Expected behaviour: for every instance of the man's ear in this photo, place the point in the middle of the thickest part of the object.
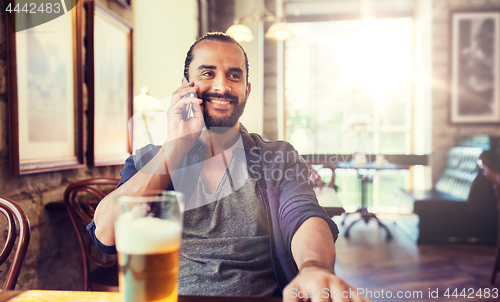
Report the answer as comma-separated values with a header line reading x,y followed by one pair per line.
x,y
249,88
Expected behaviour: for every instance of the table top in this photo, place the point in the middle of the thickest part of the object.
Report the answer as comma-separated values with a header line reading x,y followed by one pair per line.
x,y
80,296
333,159
327,198
371,166
334,211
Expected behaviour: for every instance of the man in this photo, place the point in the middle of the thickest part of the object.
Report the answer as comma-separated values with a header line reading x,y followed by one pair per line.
x,y
251,217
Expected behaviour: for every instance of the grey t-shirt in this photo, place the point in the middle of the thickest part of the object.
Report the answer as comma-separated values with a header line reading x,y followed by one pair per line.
x,y
225,242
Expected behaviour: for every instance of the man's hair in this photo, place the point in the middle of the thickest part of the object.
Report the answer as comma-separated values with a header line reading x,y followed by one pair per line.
x,y
214,36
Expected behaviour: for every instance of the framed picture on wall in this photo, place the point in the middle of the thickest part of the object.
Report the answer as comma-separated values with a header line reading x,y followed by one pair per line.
x,y
475,69
45,93
109,82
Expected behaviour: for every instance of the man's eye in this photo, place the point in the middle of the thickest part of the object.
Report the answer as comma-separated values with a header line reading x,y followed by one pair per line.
x,y
235,76
207,73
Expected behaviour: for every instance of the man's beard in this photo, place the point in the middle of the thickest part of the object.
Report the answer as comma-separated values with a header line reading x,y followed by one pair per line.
x,y
220,124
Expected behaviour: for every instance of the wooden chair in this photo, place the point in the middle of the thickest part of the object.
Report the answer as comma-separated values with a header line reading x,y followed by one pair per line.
x,y
315,177
15,215
100,271
493,174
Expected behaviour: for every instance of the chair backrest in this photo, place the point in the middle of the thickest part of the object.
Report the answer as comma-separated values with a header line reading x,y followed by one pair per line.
x,y
81,198
15,215
315,167
460,171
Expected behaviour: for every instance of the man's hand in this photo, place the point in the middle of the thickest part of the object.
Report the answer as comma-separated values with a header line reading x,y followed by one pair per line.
x,y
319,284
155,175
313,250
178,128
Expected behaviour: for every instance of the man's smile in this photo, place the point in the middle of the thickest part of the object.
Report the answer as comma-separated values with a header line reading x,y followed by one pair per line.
x,y
220,103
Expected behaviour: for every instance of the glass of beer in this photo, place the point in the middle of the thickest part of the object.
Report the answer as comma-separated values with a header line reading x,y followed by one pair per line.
x,y
148,239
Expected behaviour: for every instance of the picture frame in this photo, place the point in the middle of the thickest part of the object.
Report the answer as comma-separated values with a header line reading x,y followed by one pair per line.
x,y
474,67
109,82
45,95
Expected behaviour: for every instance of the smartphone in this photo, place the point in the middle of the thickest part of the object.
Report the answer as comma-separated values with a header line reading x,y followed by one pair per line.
x,y
188,111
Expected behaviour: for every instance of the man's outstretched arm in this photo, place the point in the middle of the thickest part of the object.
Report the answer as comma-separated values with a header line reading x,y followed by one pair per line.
x,y
313,250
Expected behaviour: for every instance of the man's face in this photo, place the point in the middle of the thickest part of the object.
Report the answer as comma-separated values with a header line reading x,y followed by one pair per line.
x,y
219,70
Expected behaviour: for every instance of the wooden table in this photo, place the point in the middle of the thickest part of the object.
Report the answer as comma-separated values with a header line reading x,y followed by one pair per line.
x,y
80,296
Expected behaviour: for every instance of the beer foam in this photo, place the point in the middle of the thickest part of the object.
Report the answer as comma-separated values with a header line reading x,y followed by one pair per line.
x,y
146,235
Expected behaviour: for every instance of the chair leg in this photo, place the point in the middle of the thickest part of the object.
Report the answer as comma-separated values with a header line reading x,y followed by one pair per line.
x,y
346,234
389,235
347,214
496,267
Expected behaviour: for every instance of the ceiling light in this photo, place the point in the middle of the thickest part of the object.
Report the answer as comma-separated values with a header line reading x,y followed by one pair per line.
x,y
240,32
279,31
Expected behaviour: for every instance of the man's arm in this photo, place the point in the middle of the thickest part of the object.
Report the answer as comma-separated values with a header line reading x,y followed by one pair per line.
x,y
155,174
313,250
313,241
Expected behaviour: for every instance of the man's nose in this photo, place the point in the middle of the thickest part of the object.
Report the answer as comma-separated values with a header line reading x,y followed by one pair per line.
x,y
221,84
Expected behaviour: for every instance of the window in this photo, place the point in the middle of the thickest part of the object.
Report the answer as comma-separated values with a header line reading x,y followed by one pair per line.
x,y
348,87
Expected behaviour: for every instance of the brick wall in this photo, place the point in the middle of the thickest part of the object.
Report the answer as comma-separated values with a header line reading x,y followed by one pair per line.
x,y
270,81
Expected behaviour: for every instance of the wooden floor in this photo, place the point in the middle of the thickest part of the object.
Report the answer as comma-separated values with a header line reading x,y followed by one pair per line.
x,y
368,261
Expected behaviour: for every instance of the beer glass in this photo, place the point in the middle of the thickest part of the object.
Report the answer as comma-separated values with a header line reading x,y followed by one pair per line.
x,y
148,239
